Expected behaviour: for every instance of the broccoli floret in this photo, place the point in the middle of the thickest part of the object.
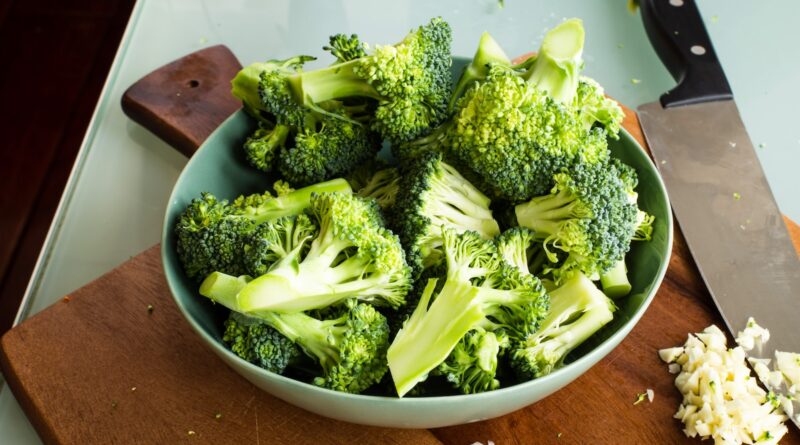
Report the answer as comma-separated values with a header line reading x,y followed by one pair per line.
x,y
516,129
479,291
432,195
350,348
270,243
308,144
346,48
587,218
615,281
377,180
258,343
409,83
263,147
488,53
210,232
472,365
577,310
351,256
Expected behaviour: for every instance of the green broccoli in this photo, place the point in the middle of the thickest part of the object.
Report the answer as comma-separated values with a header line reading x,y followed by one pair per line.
x,y
263,147
433,194
577,310
258,343
615,281
520,247
350,348
515,129
346,48
210,232
351,256
375,179
587,218
479,291
306,144
270,243
472,365
409,83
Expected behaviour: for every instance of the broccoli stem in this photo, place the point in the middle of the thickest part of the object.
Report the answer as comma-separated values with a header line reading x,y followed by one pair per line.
x,y
313,335
224,289
488,52
334,82
577,310
467,207
544,214
296,201
615,281
430,334
558,63
245,87
644,226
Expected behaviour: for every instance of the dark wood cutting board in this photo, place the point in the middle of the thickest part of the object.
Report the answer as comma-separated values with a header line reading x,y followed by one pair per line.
x,y
99,367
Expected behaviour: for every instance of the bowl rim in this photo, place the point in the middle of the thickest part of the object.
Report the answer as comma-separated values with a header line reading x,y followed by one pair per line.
x,y
294,384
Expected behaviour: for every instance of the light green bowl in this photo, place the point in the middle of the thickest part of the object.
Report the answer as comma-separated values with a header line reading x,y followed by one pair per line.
x,y
219,167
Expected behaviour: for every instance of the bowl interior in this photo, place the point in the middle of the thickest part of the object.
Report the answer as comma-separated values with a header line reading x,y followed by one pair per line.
x,y
219,167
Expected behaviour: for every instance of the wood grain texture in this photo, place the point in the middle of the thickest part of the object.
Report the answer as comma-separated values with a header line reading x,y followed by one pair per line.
x,y
98,368
186,100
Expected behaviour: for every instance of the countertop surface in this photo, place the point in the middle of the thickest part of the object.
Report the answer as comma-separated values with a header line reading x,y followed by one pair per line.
x,y
113,205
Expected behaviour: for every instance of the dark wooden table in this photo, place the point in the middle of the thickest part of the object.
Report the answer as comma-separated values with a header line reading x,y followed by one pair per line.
x,y
56,55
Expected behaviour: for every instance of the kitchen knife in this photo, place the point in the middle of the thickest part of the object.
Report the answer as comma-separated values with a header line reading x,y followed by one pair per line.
x,y
718,191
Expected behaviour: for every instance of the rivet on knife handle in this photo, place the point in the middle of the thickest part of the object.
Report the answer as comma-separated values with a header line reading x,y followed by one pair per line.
x,y
184,101
677,32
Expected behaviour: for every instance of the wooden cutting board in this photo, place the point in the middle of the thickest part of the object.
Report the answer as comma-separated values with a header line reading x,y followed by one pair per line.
x,y
99,366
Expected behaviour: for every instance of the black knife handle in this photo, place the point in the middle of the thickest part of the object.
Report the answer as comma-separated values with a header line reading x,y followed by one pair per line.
x,y
679,37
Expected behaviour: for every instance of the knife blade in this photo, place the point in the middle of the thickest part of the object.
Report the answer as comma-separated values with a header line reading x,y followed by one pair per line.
x,y
716,185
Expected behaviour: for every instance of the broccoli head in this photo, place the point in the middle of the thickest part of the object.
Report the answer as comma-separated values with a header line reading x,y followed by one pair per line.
x,y
210,232
479,291
270,243
432,195
472,365
585,223
409,82
351,256
577,310
515,129
350,348
306,144
346,48
258,343
375,179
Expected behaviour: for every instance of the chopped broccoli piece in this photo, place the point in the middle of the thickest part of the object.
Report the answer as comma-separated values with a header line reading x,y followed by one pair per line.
x,y
488,53
515,129
615,281
433,194
376,180
351,349
346,48
258,343
263,147
210,232
479,291
271,243
587,215
409,83
306,144
351,256
577,310
472,365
